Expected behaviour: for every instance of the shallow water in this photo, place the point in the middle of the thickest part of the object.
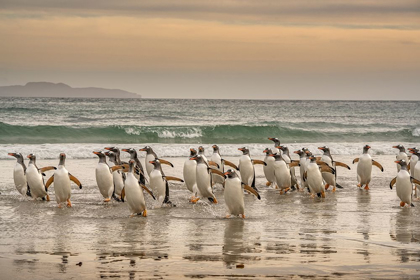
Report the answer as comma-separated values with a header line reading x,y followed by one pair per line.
x,y
351,233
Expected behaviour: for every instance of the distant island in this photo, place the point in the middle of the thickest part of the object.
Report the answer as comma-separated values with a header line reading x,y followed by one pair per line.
x,y
46,89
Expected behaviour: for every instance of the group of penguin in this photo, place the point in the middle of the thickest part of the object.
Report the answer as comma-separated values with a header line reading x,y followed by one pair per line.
x,y
125,181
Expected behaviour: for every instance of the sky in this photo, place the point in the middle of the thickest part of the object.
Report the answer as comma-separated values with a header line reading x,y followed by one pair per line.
x,y
263,49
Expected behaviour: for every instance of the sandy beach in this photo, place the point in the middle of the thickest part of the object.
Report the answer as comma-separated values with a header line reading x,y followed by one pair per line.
x,y
349,234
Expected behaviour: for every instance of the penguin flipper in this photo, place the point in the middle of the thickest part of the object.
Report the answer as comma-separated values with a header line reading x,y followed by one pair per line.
x,y
251,190
338,186
415,181
47,168
166,200
257,161
28,191
411,204
253,182
231,164
392,183
341,164
166,162
123,194
377,164
75,180
49,182
171,178
327,169
355,160
148,191
217,172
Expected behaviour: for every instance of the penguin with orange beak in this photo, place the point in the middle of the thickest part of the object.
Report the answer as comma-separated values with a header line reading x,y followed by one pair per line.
x,y
404,184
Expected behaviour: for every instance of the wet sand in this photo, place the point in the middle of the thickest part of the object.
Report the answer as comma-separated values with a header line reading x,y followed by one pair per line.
x,y
351,233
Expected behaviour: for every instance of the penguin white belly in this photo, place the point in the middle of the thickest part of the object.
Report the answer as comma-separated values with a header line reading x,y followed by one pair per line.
x,y
364,169
269,169
282,173
190,169
20,179
413,163
246,169
302,169
104,180
134,195
35,182
62,186
217,159
404,186
117,178
158,185
234,197
203,181
315,178
149,167
416,173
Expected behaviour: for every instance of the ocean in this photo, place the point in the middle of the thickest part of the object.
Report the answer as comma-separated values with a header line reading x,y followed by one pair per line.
x,y
76,126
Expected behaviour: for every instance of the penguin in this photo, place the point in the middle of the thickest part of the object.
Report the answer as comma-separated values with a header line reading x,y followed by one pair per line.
x,y
269,168
413,160
61,179
302,166
401,155
189,172
104,177
364,168
216,158
35,179
150,156
138,168
276,141
234,194
330,179
282,173
288,160
118,176
415,170
313,175
404,184
19,175
204,179
201,153
159,183
247,169
133,193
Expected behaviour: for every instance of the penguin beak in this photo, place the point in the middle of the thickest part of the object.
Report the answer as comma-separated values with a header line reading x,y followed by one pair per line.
x,y
296,152
108,148
12,154
279,147
271,155
397,161
142,150
191,150
96,153
124,150
240,149
214,146
271,138
193,158
367,146
307,152
226,173
321,148
152,161
265,151
28,156
396,147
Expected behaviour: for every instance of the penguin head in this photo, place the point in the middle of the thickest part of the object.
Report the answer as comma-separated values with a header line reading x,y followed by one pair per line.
x,y
193,152
113,149
312,158
101,156
366,149
230,173
277,156
62,158
18,156
244,150
147,149
201,150
275,140
131,151
413,150
131,164
111,155
283,148
32,157
155,162
267,151
399,147
215,148
197,158
325,149
300,153
401,162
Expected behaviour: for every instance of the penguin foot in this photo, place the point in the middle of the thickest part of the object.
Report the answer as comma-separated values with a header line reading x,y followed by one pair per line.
x,y
48,197
132,215
213,200
145,213
242,216
286,190
281,192
268,184
195,200
312,195
323,194
227,216
412,205
68,203
367,187
107,200
359,185
59,205
402,204
333,190
327,186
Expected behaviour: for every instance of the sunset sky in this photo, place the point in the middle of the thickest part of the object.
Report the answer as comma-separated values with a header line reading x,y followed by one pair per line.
x,y
342,49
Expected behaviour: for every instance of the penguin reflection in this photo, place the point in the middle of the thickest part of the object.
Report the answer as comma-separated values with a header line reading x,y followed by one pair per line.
x,y
233,246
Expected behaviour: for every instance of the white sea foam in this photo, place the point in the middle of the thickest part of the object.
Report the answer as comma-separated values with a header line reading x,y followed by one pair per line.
x,y
51,151
416,132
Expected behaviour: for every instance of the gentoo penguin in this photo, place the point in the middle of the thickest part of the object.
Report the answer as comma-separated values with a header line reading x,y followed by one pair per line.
x,y
276,141
201,153
35,179
302,166
330,179
247,169
133,193
413,160
61,179
117,176
401,155
204,179
364,168
269,168
404,184
159,183
19,175
150,156
314,177
104,177
234,194
281,173
288,160
189,171
216,158
138,168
